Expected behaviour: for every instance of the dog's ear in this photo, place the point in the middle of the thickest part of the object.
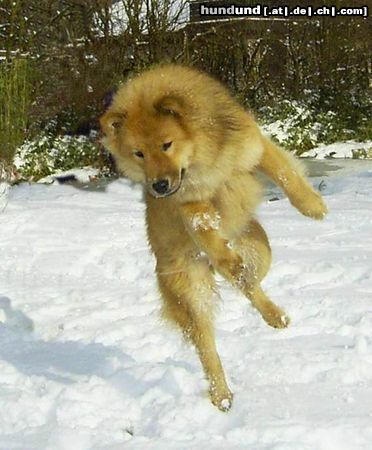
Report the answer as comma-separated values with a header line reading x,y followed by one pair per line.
x,y
171,105
111,122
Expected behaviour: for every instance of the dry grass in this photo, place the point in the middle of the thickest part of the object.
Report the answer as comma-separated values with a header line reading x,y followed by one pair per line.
x,y
14,103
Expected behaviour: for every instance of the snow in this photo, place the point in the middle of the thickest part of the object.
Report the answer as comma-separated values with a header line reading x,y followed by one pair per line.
x,y
278,128
4,190
206,221
86,363
339,149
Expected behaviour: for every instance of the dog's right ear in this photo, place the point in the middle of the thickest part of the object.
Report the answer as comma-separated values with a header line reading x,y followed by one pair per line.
x,y
111,122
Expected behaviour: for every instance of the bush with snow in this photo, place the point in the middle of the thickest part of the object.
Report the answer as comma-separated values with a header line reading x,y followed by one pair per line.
x,y
47,154
300,127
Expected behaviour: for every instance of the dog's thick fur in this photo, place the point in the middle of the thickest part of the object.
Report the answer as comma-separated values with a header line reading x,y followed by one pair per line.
x,y
177,126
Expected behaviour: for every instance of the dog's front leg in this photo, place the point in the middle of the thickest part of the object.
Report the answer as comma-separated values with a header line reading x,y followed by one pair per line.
x,y
202,220
287,172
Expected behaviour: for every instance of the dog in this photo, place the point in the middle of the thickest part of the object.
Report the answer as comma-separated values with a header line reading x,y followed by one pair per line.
x,y
197,152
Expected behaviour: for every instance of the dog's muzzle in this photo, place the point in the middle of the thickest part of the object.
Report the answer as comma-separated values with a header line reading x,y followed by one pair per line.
x,y
163,188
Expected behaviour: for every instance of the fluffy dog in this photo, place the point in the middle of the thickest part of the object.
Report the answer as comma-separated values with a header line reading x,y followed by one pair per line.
x,y
197,151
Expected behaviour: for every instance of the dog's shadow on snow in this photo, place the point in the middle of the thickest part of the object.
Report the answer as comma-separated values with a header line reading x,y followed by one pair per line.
x,y
63,362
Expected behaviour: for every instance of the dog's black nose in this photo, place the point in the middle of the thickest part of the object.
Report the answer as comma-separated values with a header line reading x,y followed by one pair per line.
x,y
161,186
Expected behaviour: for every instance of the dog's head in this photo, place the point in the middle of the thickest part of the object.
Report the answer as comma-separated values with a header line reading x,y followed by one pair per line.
x,y
151,143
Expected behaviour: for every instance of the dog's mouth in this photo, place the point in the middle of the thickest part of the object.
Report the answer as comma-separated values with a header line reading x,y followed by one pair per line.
x,y
159,191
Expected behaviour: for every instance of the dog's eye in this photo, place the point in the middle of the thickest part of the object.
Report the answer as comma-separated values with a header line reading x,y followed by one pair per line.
x,y
166,145
139,154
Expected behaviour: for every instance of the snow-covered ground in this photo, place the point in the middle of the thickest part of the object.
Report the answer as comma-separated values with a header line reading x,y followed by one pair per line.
x,y
85,362
341,150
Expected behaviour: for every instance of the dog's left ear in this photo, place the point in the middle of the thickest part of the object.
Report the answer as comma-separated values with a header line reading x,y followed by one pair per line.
x,y
111,122
171,105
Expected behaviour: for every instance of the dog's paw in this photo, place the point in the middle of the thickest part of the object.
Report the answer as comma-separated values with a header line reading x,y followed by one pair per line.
x,y
223,400
312,205
275,317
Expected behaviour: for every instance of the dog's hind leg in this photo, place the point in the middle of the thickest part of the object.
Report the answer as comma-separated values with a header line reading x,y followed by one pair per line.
x,y
254,248
187,288
243,264
271,313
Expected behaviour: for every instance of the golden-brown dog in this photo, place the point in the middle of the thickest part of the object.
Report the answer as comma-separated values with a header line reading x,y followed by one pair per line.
x,y
197,151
